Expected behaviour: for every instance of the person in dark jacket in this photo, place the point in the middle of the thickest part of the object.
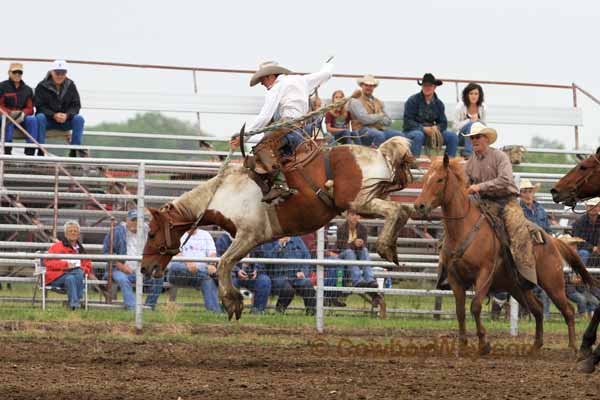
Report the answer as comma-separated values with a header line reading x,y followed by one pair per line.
x,y
587,227
57,104
424,115
68,274
16,99
288,280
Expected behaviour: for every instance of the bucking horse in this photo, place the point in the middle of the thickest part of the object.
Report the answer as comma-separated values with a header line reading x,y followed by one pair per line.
x,y
579,184
326,182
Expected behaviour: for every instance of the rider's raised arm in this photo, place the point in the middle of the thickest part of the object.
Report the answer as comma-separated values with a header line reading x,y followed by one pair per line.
x,y
318,78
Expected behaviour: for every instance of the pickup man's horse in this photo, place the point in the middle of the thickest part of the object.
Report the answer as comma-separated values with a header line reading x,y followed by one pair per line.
x,y
353,176
582,183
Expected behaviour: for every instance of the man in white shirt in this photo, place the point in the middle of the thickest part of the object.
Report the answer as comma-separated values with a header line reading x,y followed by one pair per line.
x,y
197,274
287,98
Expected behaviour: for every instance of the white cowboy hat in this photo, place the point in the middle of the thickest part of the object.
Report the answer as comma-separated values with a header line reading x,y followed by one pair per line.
x,y
478,128
368,80
268,68
593,201
570,239
526,184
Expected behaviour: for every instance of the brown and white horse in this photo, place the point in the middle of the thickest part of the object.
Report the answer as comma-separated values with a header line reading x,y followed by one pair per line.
x,y
362,179
582,183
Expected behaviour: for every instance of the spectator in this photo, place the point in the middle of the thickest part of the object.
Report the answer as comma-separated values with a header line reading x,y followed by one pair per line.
x,y
535,213
587,227
576,291
57,104
532,209
337,122
470,109
290,279
249,276
125,242
16,99
334,276
352,242
197,274
424,117
368,114
68,274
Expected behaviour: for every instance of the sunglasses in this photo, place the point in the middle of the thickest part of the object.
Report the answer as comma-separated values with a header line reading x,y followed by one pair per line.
x,y
17,72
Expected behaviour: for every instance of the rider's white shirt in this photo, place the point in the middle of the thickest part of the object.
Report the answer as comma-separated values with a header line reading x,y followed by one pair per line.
x,y
288,97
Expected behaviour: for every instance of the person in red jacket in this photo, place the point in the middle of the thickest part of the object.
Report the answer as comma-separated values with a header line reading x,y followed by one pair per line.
x,y
68,274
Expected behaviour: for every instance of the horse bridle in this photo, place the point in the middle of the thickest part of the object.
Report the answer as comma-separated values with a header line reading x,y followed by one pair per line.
x,y
452,198
168,248
583,180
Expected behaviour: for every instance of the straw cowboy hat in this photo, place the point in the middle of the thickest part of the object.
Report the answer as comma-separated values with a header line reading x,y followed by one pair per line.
x,y
568,239
15,67
429,78
593,201
526,184
478,128
268,68
368,80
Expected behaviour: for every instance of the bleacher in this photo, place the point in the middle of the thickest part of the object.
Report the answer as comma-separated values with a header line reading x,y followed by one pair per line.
x,y
31,186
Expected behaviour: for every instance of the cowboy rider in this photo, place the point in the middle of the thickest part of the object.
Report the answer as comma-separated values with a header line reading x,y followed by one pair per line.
x,y
287,98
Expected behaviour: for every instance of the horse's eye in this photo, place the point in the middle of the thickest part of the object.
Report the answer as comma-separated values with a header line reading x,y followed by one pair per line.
x,y
151,235
582,167
440,180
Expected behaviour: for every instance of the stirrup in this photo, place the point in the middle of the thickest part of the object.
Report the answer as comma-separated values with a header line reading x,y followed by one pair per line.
x,y
277,191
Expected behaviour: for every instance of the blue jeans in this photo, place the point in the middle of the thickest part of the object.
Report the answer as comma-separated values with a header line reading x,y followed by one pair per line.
x,y
347,137
585,300
465,141
417,138
261,286
75,125
180,275
584,255
291,141
358,274
125,282
371,136
72,282
30,126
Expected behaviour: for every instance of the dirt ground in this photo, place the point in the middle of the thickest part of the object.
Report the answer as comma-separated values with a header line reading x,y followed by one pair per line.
x,y
108,361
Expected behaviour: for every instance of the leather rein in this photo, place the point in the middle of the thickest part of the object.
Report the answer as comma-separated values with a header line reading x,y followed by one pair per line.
x,y
169,248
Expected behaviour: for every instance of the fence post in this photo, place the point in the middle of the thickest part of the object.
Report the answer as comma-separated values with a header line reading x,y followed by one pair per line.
x,y
514,317
320,278
2,140
141,238
574,86
196,92
55,219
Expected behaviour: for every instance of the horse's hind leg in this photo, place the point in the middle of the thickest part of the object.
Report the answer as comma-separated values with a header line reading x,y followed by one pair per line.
x,y
587,358
528,299
395,218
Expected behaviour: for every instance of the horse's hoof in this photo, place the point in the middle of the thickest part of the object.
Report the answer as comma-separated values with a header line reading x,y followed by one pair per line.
x,y
584,354
485,349
586,366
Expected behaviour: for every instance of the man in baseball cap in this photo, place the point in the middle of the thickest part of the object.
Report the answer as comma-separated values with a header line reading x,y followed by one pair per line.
x,y
57,103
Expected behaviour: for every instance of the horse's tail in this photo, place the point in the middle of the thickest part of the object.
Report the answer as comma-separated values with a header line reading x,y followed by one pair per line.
x,y
571,257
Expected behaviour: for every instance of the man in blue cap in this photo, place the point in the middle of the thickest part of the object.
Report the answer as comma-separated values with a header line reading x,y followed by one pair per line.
x,y
125,242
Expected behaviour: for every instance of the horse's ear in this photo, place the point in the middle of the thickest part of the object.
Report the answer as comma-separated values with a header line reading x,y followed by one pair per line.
x,y
446,160
580,157
598,150
154,212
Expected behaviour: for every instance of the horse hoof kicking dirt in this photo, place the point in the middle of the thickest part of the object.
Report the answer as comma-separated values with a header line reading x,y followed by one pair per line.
x,y
362,178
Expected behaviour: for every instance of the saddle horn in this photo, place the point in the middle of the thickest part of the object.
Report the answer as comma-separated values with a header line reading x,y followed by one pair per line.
x,y
242,132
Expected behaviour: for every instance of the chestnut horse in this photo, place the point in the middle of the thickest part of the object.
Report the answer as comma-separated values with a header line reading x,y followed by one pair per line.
x,y
362,179
582,183
481,264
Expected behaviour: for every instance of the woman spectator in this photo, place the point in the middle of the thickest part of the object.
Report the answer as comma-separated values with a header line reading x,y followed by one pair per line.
x,y
337,122
469,110
68,274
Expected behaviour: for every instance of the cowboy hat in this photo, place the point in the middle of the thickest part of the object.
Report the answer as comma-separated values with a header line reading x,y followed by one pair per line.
x,y
429,78
368,80
593,201
15,67
568,239
526,184
268,68
478,128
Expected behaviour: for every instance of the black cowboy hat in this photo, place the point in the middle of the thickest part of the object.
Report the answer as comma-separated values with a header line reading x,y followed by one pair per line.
x,y
429,78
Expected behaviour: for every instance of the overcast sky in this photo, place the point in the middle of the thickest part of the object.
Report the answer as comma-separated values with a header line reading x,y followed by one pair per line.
x,y
528,41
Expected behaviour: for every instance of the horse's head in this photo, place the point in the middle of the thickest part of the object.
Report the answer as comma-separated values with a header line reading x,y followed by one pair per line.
x,y
166,229
443,179
580,183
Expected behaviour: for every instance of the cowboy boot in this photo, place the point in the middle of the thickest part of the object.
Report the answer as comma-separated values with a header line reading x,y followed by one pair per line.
x,y
279,188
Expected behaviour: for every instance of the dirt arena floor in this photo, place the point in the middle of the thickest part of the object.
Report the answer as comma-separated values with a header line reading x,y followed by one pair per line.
x,y
108,361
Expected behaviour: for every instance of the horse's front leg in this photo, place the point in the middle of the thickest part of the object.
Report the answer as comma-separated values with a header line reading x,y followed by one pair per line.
x,y
395,217
230,297
459,298
482,287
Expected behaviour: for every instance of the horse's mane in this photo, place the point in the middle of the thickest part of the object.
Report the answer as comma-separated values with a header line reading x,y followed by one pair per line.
x,y
457,168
